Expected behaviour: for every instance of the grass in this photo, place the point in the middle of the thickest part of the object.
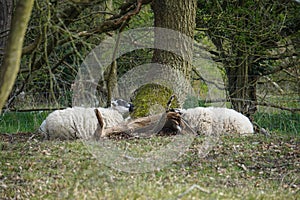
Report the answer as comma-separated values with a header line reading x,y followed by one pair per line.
x,y
14,122
252,167
284,122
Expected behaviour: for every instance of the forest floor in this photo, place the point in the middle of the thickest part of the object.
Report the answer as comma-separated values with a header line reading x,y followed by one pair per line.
x,y
251,167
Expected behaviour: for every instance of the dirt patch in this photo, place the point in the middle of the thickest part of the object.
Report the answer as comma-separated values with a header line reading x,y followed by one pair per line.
x,y
20,137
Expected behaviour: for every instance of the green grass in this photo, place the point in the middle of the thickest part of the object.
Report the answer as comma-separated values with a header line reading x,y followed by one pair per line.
x,y
14,122
284,122
252,167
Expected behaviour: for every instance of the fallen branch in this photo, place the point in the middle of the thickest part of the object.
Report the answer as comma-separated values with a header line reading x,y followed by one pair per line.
x,y
134,128
144,127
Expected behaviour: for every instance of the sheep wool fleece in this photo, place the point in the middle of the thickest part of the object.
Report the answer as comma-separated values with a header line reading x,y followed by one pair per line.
x,y
213,120
77,122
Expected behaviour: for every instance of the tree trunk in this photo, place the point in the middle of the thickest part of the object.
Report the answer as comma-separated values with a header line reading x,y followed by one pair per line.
x,y
177,15
6,7
174,22
13,51
242,86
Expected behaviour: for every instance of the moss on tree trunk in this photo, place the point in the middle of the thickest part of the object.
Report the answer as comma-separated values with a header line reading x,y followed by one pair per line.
x,y
179,16
151,99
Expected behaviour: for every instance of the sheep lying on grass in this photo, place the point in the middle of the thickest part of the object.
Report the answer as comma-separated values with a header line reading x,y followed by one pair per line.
x,y
212,120
79,122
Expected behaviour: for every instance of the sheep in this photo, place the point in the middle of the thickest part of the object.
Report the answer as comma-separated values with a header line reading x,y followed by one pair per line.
x,y
123,107
213,120
79,122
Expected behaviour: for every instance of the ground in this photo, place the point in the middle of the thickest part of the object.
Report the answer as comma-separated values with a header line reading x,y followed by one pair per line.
x,y
252,167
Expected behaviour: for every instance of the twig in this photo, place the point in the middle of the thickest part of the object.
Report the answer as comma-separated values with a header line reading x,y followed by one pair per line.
x,y
187,125
191,188
268,105
277,106
170,102
218,86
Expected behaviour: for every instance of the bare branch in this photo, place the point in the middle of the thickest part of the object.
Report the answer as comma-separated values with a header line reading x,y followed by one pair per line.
x,y
98,132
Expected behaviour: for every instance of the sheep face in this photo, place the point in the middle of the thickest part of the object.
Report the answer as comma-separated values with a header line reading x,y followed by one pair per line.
x,y
122,106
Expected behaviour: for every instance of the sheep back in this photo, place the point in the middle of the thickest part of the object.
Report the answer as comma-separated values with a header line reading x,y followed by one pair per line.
x,y
77,122
233,121
200,119
212,120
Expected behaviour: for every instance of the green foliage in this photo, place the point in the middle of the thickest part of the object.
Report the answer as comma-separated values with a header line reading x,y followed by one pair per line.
x,y
253,27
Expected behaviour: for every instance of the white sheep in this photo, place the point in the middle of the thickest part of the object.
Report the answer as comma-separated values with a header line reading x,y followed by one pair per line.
x,y
212,120
79,122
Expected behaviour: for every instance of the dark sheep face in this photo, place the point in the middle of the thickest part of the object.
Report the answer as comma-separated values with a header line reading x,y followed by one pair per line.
x,y
122,106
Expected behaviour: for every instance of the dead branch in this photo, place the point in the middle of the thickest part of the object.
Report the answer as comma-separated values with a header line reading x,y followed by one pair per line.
x,y
172,125
98,132
135,128
143,127
170,102
293,110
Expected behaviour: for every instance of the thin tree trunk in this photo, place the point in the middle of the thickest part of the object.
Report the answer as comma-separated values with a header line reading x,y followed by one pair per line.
x,y
13,52
6,7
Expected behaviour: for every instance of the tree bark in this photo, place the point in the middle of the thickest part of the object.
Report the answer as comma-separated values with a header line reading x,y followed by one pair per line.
x,y
178,15
6,7
242,89
174,22
13,52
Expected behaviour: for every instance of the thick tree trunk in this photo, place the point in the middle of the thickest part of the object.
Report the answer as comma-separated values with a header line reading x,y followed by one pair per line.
x,y
11,63
177,15
174,22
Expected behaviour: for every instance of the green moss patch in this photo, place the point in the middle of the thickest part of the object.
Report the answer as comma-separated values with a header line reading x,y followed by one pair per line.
x,y
151,99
